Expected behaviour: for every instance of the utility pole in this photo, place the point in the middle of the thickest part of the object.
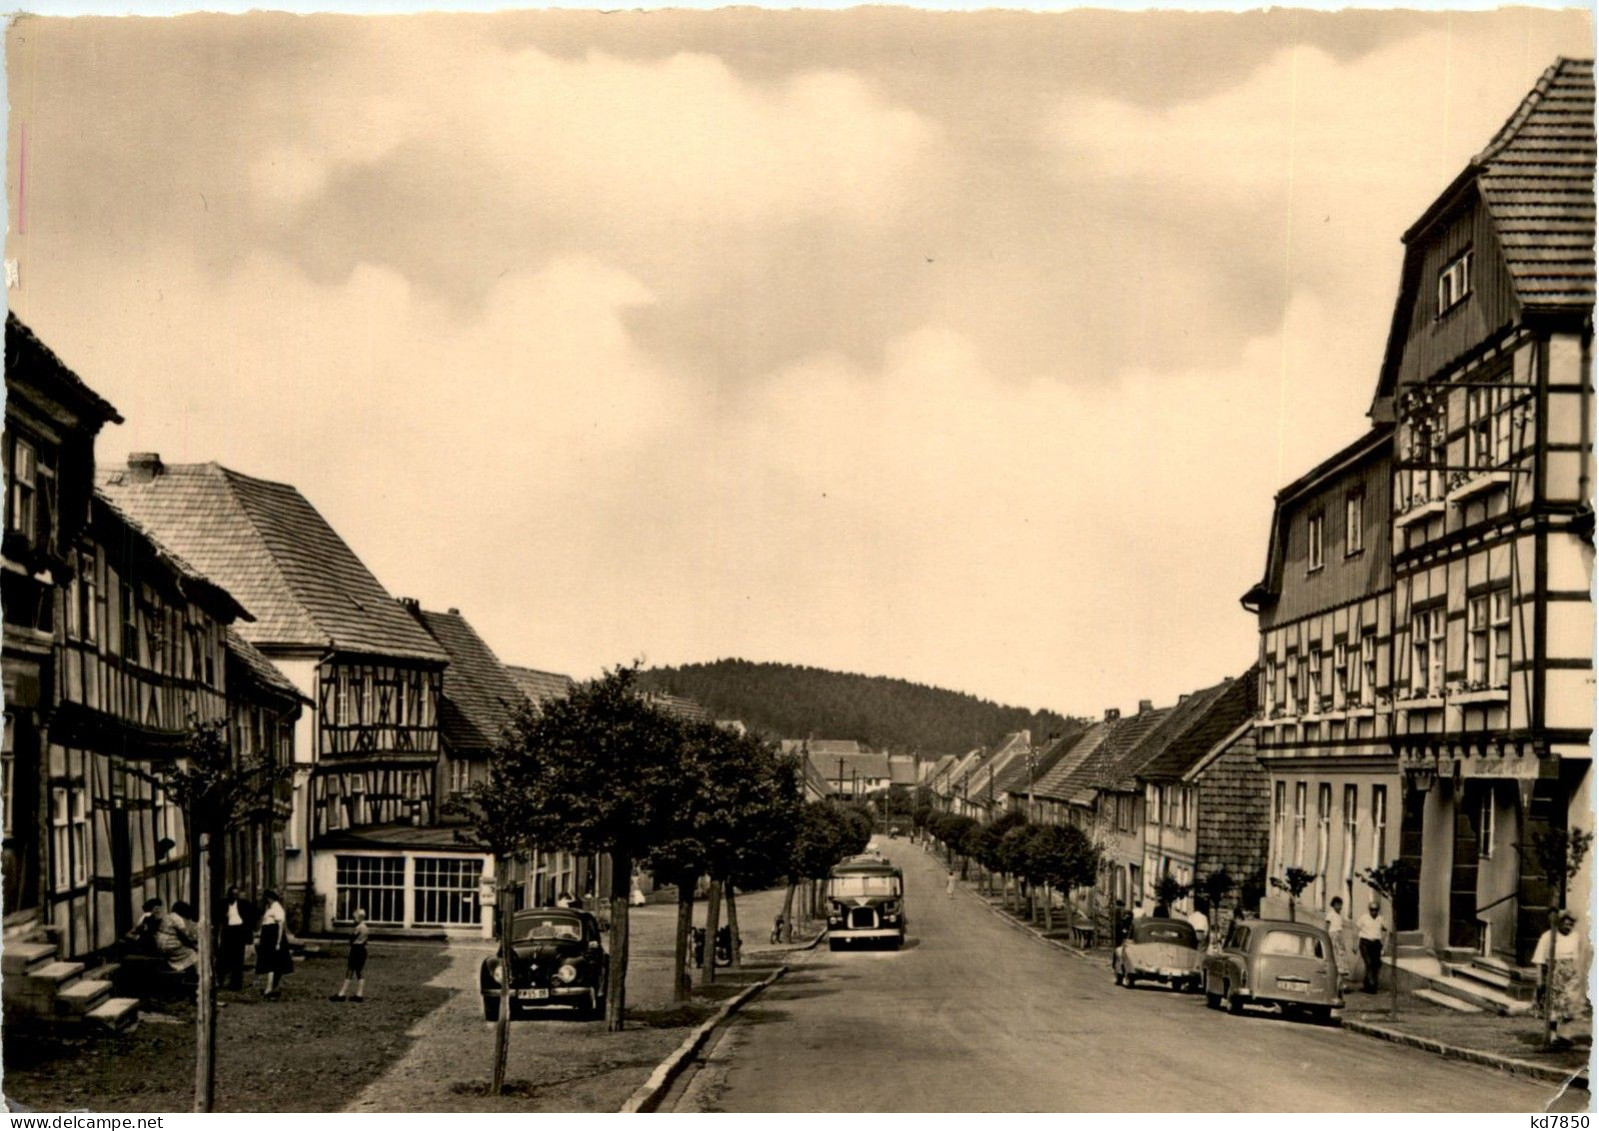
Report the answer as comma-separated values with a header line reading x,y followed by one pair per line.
x,y
841,776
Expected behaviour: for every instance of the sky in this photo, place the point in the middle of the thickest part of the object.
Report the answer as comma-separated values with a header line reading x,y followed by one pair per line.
x,y
967,348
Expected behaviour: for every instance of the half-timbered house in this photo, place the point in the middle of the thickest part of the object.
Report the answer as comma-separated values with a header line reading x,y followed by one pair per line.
x,y
51,420
1326,701
263,710
367,752
1488,378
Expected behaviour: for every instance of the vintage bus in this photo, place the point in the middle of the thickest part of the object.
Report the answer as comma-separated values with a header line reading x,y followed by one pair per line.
x,y
865,903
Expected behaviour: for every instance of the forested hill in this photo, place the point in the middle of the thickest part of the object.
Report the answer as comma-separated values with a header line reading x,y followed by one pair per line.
x,y
787,701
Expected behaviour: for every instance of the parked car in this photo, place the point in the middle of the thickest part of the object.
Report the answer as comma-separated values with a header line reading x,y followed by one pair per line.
x,y
1271,962
556,959
1159,950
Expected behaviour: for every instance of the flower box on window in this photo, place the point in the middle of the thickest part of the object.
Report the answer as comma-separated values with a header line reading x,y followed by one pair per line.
x,y
1474,483
1420,507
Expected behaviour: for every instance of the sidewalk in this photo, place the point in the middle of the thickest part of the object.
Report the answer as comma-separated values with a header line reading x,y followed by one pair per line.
x,y
1512,1044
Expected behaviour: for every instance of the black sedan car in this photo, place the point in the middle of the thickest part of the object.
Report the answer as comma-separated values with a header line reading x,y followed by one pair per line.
x,y
556,959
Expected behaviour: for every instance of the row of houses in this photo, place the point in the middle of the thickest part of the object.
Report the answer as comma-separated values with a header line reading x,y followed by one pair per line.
x,y
1424,687
139,599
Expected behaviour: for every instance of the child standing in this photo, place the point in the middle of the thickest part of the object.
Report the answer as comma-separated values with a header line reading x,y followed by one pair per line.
x,y
355,965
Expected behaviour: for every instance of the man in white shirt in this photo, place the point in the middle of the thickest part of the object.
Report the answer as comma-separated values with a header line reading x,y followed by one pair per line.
x,y
1334,923
1372,932
1198,920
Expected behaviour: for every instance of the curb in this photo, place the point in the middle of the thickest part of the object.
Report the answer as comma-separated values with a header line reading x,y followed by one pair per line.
x,y
1543,1072
651,1091
1014,924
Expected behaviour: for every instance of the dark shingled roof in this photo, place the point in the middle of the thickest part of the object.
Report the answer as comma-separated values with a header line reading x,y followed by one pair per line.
x,y
53,375
263,670
200,588
1537,181
1179,719
1100,769
1016,777
539,686
274,551
479,696
1222,715
1052,782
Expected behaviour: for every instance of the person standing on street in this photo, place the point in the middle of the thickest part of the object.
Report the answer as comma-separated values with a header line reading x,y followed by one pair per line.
x,y
949,884
1568,956
237,925
1198,920
355,965
1372,932
1334,922
272,956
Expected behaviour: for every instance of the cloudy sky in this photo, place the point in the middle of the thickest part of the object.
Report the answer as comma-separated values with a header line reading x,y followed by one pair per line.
x,y
968,348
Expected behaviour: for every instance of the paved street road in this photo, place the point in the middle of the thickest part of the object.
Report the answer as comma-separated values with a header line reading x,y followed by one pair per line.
x,y
977,1016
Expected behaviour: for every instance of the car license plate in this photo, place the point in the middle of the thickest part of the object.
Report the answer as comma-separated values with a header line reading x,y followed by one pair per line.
x,y
1298,985
532,995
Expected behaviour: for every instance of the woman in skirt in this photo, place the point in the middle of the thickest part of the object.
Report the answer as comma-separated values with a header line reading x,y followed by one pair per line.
x,y
272,956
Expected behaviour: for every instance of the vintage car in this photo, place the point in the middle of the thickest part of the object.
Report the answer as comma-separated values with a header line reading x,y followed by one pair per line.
x,y
1276,963
1159,950
556,959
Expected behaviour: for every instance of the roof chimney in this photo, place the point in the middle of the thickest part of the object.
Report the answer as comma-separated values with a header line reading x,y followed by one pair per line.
x,y
455,612
410,604
145,466
1145,705
1183,698
1112,714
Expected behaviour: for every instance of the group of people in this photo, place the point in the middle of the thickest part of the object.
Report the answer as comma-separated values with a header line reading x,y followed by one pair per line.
x,y
1371,933
172,934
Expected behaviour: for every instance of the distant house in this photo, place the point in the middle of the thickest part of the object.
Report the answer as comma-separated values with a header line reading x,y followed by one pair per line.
x,y
367,756
850,771
1051,796
1173,799
540,686
263,710
1017,785
983,798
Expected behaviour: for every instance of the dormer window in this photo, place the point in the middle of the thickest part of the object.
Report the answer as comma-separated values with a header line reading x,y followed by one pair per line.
x,y
1454,282
1315,528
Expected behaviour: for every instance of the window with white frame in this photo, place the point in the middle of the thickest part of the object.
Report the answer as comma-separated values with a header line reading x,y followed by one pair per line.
x,y
1295,699
1488,423
69,836
1340,674
1427,651
1323,839
1279,810
460,775
1499,637
1268,685
1368,669
1379,825
1485,826
1454,282
1300,792
22,516
374,884
1315,529
1354,522
446,891
1351,834
1313,678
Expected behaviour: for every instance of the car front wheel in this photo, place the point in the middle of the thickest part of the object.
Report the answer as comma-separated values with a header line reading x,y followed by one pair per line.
x,y
1212,1001
1235,1004
491,1007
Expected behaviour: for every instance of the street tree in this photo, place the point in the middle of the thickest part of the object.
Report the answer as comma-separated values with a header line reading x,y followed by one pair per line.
x,y
596,770
498,814
1168,890
989,848
1293,881
1067,860
1386,881
217,790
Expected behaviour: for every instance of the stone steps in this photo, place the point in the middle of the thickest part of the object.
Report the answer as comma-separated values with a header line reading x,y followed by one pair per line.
x,y
1448,1001
82,996
20,957
116,1015
40,987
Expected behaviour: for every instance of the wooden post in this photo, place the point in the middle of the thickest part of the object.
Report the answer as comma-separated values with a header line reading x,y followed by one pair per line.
x,y
502,1023
713,909
205,1030
616,983
682,983
732,927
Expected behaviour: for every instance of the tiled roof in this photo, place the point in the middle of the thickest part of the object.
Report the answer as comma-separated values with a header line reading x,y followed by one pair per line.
x,y
1537,181
539,686
1052,782
984,780
902,771
832,747
679,706
1229,707
202,589
479,696
1180,718
1101,768
1016,777
856,766
21,341
262,669
274,551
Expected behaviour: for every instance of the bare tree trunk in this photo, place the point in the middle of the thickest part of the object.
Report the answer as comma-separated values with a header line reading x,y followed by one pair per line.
x,y
205,1029
1049,909
502,1020
682,984
713,911
732,927
788,914
616,984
